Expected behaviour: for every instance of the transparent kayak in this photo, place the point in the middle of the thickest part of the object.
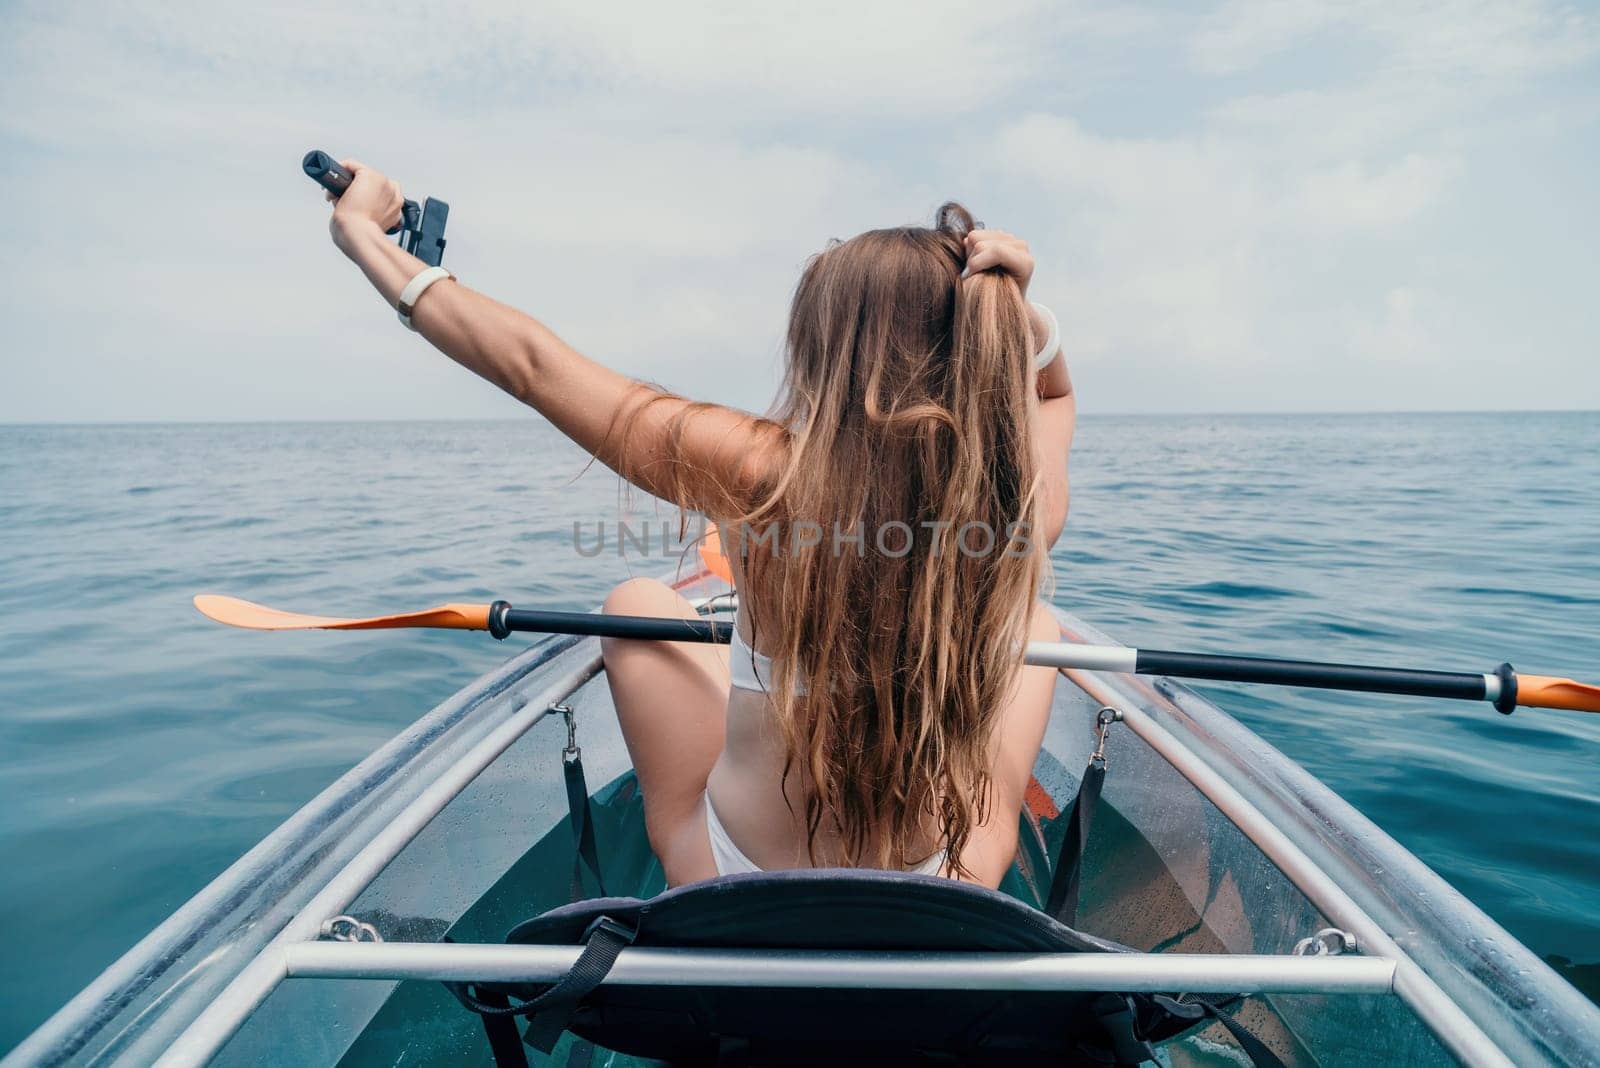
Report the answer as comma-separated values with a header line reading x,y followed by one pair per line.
x,y
1211,853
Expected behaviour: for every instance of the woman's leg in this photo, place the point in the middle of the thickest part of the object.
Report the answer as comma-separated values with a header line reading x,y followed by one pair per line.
x,y
672,703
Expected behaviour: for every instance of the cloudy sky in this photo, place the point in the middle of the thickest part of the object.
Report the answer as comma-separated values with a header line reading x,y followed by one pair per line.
x,y
1252,207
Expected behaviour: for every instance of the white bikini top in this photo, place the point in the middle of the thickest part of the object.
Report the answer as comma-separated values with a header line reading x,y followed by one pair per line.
x,y
749,669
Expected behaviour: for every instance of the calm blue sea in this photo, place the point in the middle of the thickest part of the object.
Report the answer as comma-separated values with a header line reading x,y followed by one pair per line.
x,y
143,748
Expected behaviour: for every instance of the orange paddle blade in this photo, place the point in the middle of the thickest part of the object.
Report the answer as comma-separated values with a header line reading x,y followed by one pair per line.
x,y
712,556
1544,691
237,613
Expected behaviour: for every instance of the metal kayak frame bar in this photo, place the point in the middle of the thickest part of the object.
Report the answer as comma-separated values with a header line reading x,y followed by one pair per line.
x,y
1197,973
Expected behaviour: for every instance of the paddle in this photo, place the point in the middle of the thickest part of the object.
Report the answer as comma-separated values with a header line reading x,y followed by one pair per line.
x,y
499,619
1503,687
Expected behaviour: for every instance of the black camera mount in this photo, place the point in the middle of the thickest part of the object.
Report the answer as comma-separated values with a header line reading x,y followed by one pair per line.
x,y
421,229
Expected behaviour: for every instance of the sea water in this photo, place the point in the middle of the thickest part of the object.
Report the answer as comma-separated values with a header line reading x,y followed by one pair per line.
x,y
143,748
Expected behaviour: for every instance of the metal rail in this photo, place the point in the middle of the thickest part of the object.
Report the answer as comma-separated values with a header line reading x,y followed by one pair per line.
x,y
1199,973
213,1027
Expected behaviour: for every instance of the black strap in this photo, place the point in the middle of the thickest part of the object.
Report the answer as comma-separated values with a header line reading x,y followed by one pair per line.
x,y
1063,901
1194,1007
504,1041
604,940
1119,1015
586,854
552,1010
1259,1053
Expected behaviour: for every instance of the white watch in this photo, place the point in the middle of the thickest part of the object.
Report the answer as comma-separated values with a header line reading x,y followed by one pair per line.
x,y
1052,344
414,290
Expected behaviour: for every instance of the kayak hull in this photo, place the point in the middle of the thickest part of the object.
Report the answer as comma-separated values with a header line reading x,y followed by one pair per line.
x,y
1208,840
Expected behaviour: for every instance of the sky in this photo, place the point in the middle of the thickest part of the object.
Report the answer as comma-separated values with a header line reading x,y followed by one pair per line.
x,y
1289,206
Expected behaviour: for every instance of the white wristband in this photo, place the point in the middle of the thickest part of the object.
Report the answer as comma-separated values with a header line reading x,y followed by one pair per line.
x,y
1052,344
414,290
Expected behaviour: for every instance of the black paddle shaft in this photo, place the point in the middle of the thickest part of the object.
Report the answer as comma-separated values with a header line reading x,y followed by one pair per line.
x,y
503,620
1457,685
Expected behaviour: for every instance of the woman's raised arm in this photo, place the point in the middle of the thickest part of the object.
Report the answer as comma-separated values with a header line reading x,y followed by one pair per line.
x,y
694,455
1057,415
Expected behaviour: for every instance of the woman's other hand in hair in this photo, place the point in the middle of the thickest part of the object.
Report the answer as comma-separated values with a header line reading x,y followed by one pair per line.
x,y
371,200
990,249
998,250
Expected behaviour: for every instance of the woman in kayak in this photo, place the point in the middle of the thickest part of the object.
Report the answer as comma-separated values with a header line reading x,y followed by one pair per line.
x,y
887,525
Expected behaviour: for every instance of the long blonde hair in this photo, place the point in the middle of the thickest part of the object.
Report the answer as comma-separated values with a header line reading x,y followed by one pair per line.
x,y
903,421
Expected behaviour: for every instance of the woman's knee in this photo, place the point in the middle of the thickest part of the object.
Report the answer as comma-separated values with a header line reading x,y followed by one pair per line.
x,y
638,597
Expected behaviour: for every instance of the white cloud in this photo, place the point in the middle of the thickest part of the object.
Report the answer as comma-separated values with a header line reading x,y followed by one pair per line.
x,y
677,64
1352,196
1243,33
1212,250
650,181
1156,237
1292,226
1403,334
1480,38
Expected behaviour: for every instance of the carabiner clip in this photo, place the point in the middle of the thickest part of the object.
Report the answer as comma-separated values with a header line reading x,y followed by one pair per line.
x,y
571,752
1102,726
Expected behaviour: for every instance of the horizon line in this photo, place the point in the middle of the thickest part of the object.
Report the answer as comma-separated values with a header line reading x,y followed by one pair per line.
x,y
1176,413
